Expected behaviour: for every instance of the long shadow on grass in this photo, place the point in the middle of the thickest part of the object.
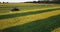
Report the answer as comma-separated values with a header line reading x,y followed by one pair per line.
x,y
45,25
25,14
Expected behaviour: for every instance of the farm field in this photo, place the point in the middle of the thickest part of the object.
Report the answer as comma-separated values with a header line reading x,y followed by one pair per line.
x,y
31,17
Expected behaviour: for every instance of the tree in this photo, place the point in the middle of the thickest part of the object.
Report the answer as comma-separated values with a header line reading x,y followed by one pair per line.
x,y
58,1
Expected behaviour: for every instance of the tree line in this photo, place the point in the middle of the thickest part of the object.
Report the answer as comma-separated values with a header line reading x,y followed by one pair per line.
x,y
55,1
3,2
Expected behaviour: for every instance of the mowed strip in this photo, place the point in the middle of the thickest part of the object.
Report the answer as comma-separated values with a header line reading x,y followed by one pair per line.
x,y
18,4
26,19
32,10
25,14
26,4
44,25
56,30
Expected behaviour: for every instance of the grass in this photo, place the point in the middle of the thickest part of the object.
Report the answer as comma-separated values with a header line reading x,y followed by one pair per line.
x,y
45,25
24,14
30,18
26,19
5,8
56,30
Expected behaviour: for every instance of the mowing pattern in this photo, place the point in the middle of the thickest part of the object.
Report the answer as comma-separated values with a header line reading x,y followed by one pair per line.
x,y
31,18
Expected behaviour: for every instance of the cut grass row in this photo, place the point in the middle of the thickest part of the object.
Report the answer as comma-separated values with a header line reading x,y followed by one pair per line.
x,y
26,19
32,10
56,30
45,25
23,7
24,14
30,21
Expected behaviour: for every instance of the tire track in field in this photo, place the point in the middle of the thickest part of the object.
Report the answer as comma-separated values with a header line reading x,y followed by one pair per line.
x,y
25,19
25,14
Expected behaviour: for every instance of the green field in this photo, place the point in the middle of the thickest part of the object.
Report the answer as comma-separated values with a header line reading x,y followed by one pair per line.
x,y
31,17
